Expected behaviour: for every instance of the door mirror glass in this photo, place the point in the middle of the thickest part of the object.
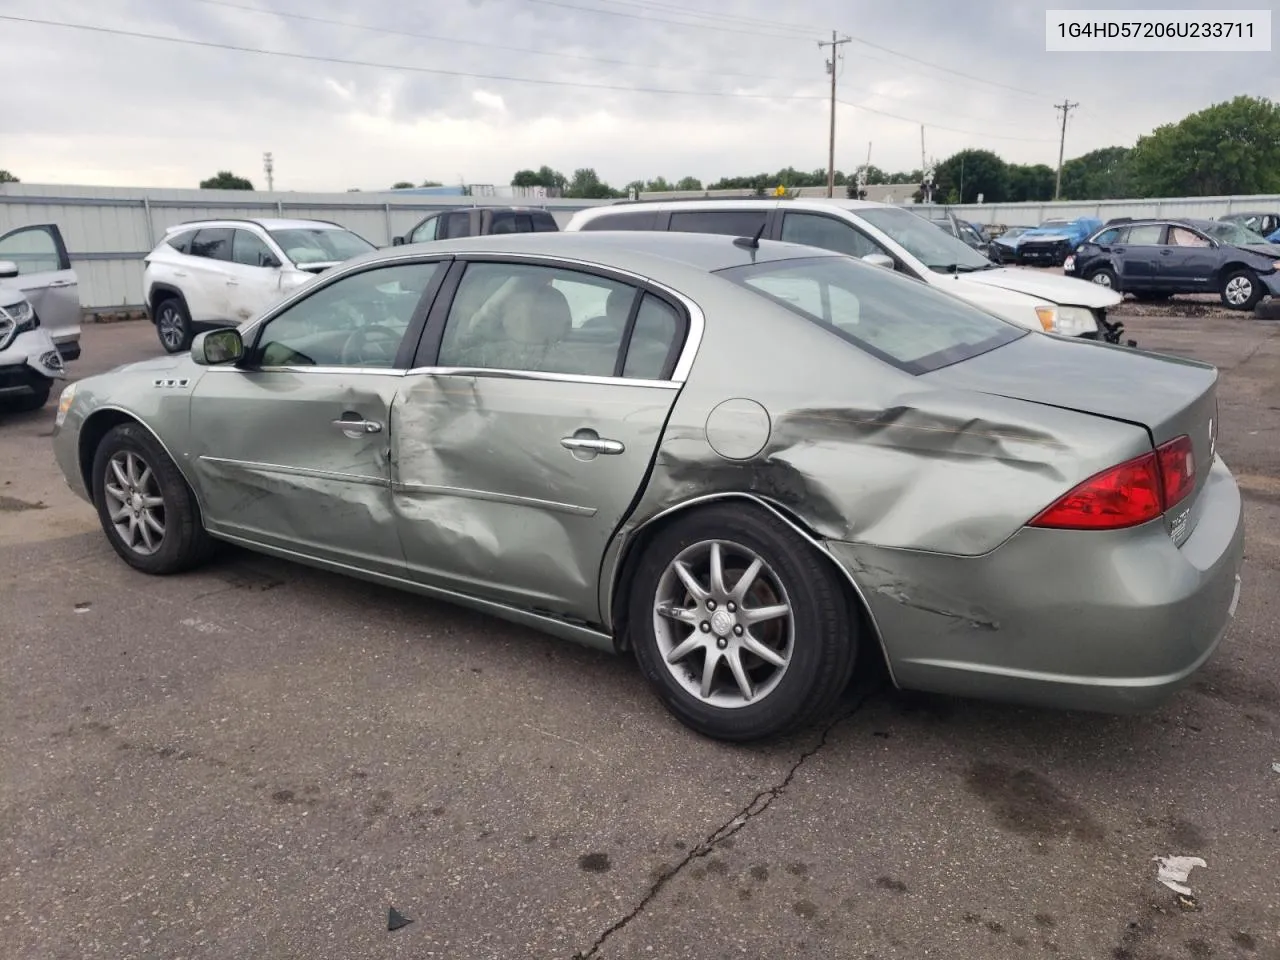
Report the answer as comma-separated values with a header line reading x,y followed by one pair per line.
x,y
879,260
217,347
8,269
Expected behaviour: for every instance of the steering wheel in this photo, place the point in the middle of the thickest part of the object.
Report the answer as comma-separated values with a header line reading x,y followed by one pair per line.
x,y
373,344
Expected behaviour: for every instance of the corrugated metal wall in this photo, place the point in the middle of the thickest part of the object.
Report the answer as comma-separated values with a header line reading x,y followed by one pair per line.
x,y
108,230
1031,214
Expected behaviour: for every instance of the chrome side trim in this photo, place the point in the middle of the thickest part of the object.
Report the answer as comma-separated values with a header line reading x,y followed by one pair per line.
x,y
507,374
347,371
527,618
620,546
288,471
428,489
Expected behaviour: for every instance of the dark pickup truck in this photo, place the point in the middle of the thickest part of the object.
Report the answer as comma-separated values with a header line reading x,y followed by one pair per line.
x,y
479,222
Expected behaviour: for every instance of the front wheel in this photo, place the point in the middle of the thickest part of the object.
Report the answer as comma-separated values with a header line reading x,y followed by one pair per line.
x,y
1241,289
741,628
1104,277
147,511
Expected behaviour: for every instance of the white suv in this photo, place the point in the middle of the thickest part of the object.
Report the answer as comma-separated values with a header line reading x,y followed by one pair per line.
x,y
888,236
216,273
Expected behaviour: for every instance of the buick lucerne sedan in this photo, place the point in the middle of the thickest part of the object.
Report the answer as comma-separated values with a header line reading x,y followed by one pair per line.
x,y
753,465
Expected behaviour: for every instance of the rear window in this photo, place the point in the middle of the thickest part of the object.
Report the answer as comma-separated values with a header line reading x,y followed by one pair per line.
x,y
321,244
640,220
899,320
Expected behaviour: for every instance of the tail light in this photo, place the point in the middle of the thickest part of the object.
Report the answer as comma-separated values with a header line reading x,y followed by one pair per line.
x,y
1128,494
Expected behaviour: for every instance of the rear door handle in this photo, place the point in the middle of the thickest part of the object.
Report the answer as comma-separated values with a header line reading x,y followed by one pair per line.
x,y
594,444
62,283
356,427
233,283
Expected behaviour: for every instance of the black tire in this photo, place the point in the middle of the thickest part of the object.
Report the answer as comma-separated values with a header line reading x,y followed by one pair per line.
x,y
1239,281
29,402
1104,277
173,325
824,634
183,544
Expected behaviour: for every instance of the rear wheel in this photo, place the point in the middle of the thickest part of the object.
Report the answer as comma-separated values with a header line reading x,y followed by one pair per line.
x,y
740,627
1104,277
147,511
173,325
1241,289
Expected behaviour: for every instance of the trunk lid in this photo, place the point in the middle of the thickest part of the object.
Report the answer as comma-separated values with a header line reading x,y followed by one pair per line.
x,y
1168,396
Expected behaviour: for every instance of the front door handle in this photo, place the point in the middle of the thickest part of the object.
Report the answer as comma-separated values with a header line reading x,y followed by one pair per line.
x,y
356,428
62,283
592,444
233,283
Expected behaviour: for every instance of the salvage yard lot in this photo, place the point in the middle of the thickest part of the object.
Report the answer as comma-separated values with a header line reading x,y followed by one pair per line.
x,y
259,759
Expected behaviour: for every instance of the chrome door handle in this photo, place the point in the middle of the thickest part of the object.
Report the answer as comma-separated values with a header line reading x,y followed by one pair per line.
x,y
62,283
592,444
358,426
179,273
233,283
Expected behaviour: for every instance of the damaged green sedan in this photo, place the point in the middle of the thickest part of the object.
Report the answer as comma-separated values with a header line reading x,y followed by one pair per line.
x,y
753,464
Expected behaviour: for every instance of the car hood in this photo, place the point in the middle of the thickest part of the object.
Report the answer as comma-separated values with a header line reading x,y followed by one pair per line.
x,y
1067,291
1268,250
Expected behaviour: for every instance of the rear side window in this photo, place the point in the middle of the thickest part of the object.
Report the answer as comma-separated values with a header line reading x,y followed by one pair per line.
x,y
655,341
213,242
640,220
734,223
181,241
512,223
545,223
908,324
1146,235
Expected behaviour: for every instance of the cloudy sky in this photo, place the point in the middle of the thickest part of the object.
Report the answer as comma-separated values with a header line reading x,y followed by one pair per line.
x,y
96,108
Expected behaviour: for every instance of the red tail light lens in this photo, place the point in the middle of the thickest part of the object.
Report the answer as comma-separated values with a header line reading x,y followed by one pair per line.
x,y
1126,495
1177,469
1123,496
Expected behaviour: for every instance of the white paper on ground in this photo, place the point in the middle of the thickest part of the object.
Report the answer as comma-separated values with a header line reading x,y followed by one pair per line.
x,y
1175,870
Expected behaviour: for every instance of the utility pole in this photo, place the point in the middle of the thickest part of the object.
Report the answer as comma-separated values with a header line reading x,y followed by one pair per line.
x,y
1066,106
835,43
268,167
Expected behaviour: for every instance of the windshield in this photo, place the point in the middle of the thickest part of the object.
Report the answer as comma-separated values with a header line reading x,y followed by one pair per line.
x,y
936,249
1233,233
902,321
305,245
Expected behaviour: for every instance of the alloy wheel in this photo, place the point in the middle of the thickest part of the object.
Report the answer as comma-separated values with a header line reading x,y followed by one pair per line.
x,y
169,324
1238,291
724,624
134,502
1102,279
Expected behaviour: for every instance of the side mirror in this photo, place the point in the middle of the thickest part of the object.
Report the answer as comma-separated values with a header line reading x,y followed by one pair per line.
x,y
397,241
879,260
269,260
8,269
215,347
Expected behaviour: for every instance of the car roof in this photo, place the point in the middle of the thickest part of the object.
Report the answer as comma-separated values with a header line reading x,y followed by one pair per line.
x,y
266,223
650,253
764,203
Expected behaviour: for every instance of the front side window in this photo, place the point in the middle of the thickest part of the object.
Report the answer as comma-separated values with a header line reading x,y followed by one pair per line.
x,y
304,245
250,249
426,230
457,225
815,230
733,223
358,321
1111,235
1182,237
908,324
32,250
936,249
213,243
509,316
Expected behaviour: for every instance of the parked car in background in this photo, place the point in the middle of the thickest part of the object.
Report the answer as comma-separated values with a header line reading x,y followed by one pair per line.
x,y
1004,248
1265,224
209,273
1154,259
29,359
44,275
1052,242
479,222
962,230
758,463
888,236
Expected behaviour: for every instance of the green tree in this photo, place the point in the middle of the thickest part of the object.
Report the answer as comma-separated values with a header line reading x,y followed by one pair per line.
x,y
658,185
968,173
587,185
431,183
689,183
1105,174
7,177
1030,182
402,185
544,176
1232,147
225,180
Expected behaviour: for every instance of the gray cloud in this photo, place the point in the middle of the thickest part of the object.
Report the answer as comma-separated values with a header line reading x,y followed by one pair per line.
x,y
107,109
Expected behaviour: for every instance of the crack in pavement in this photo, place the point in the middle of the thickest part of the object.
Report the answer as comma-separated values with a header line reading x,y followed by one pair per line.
x,y
758,805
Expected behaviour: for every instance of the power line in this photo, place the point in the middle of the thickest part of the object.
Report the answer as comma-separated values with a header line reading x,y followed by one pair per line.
x,y
718,17
316,58
287,15
679,23
938,126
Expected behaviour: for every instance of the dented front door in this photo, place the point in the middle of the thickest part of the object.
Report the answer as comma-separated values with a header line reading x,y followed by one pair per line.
x,y
297,460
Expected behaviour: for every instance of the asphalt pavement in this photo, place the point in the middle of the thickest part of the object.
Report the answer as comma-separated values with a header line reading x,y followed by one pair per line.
x,y
258,759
